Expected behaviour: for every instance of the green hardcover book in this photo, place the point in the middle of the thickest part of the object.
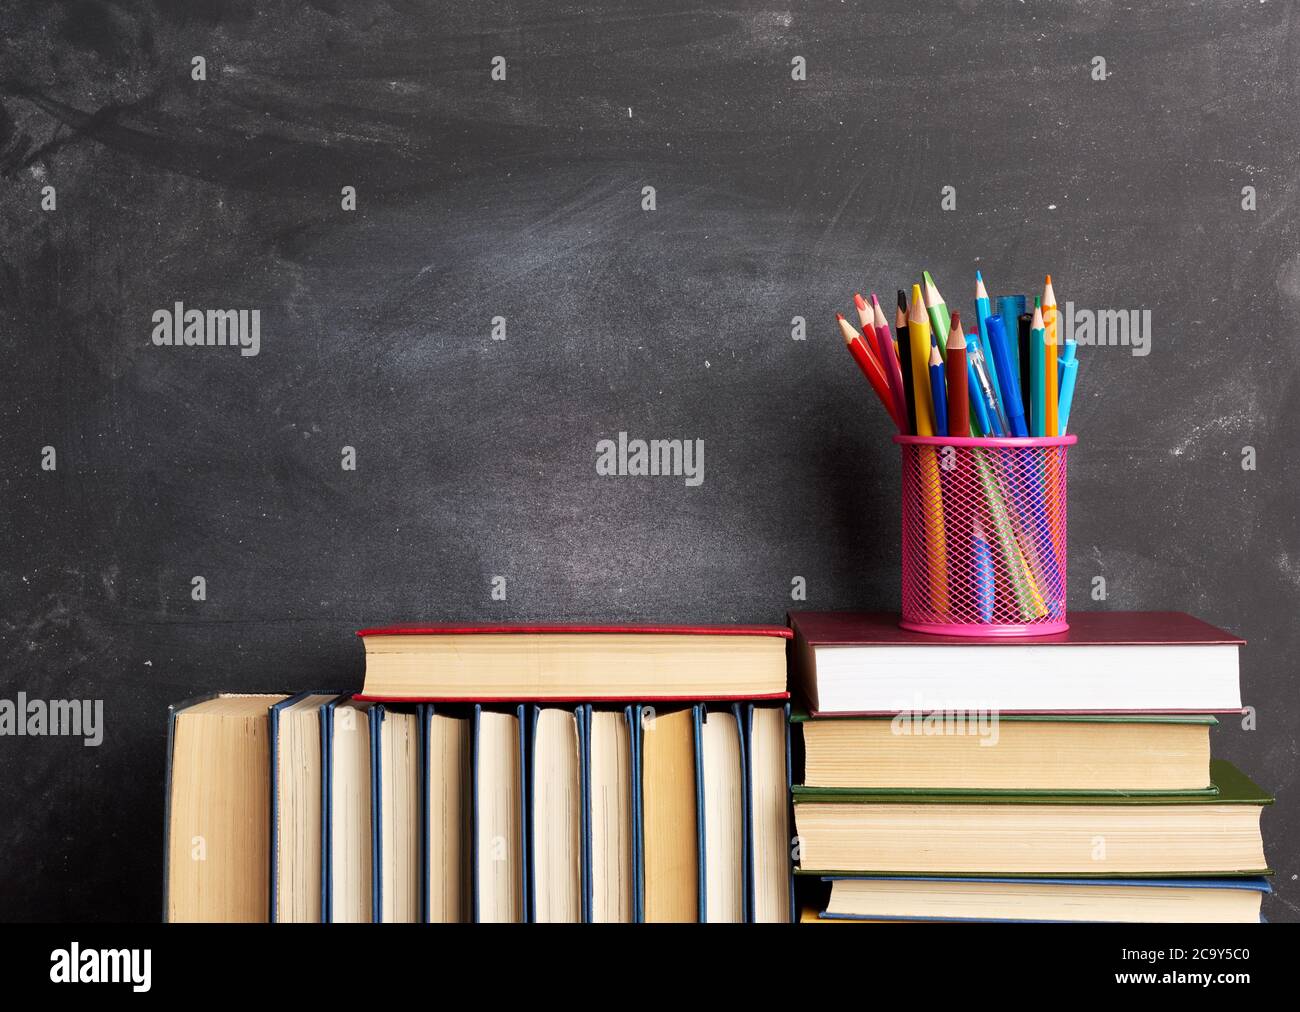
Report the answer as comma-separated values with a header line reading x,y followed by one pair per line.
x,y
924,833
957,752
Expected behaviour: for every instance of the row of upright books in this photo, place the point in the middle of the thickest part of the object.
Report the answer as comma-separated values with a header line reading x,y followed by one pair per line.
x,y
647,774
1060,778
437,795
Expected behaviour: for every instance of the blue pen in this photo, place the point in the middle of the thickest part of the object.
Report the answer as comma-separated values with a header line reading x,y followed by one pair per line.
x,y
1067,392
938,390
976,399
996,418
982,559
1015,410
1068,351
1011,308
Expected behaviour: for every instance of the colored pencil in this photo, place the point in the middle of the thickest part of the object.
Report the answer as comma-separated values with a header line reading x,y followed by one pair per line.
x,y
938,392
918,332
937,310
1037,385
905,360
868,325
889,359
958,381
869,366
1051,426
1022,333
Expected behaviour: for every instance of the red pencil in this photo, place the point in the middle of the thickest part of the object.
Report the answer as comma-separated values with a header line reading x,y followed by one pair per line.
x,y
867,318
958,386
869,366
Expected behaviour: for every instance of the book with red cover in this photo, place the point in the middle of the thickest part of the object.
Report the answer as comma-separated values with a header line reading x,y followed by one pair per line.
x,y
487,663
1112,662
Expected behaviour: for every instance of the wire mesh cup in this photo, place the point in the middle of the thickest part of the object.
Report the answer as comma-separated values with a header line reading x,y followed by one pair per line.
x,y
984,535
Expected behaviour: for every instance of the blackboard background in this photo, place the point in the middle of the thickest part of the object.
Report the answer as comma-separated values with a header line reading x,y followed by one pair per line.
x,y
522,198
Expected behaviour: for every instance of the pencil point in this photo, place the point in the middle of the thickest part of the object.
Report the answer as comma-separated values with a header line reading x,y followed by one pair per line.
x,y
978,275
859,301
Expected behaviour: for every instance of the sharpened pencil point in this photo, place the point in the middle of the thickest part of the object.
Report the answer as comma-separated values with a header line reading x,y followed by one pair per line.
x,y
859,301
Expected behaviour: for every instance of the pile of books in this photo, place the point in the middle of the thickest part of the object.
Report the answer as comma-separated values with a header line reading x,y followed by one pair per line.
x,y
495,774
1064,778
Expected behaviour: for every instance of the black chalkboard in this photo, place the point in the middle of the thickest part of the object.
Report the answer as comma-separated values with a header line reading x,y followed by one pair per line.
x,y
517,207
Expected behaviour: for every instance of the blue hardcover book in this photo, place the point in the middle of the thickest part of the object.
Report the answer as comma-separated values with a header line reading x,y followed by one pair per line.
x,y
769,774
1044,900
297,841
396,793
557,823
610,816
498,810
347,882
447,824
723,812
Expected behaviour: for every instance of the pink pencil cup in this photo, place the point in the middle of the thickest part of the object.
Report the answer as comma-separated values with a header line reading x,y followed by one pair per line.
x,y
984,548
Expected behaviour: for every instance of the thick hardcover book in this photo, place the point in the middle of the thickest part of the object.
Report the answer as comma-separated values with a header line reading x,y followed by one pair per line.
x,y
770,873
1044,900
557,827
1107,662
216,859
1171,835
723,813
991,753
496,664
670,825
398,830
347,884
499,839
302,839
610,816
447,752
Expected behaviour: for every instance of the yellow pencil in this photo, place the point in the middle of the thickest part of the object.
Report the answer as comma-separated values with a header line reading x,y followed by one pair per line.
x,y
918,336
1052,426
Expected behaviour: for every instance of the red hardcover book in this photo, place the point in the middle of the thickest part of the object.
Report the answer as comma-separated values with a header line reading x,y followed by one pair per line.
x,y
1107,662
492,663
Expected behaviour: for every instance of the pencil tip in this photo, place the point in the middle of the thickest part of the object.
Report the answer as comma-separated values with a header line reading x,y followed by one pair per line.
x,y
1049,280
978,275
874,301
839,316
859,301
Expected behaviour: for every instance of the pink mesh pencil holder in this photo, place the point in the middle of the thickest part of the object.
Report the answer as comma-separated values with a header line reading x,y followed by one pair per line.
x,y
984,535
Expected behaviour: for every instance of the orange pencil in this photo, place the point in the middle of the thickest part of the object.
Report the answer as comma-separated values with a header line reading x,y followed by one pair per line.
x,y
869,366
1050,323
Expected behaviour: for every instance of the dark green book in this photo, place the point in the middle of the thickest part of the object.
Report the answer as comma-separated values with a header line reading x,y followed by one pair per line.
x,y
1170,835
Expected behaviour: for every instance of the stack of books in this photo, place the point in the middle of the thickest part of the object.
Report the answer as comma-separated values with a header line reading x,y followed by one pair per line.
x,y
552,774
1063,778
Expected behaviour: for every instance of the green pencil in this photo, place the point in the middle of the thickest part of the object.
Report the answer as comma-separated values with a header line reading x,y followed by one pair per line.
x,y
937,310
